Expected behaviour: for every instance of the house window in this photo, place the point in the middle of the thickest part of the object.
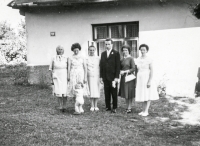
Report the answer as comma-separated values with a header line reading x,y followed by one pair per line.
x,y
121,33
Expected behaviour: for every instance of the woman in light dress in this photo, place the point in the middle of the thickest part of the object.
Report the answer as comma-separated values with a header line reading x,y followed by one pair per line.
x,y
58,68
93,77
145,88
77,71
127,89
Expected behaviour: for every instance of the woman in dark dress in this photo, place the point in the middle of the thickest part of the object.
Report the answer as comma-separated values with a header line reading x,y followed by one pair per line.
x,y
127,89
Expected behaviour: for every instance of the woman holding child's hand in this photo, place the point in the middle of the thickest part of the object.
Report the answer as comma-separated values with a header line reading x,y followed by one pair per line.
x,y
127,89
77,71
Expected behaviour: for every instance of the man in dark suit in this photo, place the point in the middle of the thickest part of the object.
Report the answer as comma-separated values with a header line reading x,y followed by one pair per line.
x,y
109,74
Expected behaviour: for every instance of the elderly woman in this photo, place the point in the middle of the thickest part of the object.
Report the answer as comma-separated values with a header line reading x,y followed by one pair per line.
x,y
146,90
77,71
127,89
58,68
93,77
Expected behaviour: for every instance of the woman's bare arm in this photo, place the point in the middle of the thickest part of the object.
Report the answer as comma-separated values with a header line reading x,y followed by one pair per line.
x,y
150,75
69,69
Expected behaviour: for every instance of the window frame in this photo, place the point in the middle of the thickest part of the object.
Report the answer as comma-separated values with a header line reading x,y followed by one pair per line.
x,y
108,27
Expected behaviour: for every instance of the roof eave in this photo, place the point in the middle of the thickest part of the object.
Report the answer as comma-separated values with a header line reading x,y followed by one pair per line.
x,y
36,3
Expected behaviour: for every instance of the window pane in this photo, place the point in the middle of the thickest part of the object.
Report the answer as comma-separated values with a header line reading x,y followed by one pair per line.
x,y
132,30
101,47
117,31
117,46
133,45
101,32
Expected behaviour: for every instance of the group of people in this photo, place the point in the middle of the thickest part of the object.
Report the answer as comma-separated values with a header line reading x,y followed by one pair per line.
x,y
80,76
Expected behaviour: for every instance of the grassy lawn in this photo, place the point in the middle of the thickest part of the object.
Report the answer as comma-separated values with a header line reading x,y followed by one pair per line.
x,y
29,117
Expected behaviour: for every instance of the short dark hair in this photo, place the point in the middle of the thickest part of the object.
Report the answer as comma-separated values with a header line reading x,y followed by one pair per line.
x,y
127,47
144,45
109,39
75,45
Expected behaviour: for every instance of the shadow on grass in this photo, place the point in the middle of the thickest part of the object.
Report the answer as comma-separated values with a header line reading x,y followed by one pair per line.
x,y
29,116
182,135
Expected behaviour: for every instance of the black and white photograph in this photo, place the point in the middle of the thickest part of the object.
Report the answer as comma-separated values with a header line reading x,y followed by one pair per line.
x,y
100,72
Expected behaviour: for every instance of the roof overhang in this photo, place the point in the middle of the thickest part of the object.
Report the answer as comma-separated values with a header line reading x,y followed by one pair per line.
x,y
70,1
18,4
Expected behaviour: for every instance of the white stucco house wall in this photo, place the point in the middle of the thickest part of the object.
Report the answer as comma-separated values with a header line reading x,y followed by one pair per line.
x,y
166,26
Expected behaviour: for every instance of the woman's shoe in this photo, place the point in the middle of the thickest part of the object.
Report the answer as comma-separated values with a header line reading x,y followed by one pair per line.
x,y
63,110
140,113
81,111
96,109
129,111
92,109
77,113
144,114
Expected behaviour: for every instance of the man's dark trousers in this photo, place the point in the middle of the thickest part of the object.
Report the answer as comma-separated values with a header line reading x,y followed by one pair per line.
x,y
109,90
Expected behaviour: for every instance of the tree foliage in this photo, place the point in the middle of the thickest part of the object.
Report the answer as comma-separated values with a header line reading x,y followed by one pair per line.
x,y
13,44
196,11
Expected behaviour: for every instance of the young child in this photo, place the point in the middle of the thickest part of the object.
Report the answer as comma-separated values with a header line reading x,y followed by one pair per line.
x,y
79,101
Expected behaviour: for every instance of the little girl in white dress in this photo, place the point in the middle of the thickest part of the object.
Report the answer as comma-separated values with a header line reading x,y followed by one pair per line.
x,y
79,98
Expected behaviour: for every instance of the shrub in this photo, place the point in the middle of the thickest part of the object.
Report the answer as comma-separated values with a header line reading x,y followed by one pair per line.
x,y
43,81
20,74
161,88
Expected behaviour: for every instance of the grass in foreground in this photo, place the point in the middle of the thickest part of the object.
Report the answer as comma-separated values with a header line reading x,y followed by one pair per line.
x,y
29,117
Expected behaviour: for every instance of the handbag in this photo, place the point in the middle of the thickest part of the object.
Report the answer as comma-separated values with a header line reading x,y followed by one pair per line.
x,y
129,77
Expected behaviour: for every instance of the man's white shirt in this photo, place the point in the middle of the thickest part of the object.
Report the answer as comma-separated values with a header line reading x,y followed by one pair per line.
x,y
108,52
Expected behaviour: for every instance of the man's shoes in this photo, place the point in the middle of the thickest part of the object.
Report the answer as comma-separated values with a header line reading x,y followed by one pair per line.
x,y
64,110
114,111
108,109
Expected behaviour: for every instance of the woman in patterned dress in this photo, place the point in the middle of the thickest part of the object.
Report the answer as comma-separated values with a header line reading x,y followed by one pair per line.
x,y
77,71
58,68
145,88
93,77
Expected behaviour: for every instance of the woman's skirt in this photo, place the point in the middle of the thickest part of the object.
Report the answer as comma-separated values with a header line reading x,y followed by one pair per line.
x,y
60,82
127,89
